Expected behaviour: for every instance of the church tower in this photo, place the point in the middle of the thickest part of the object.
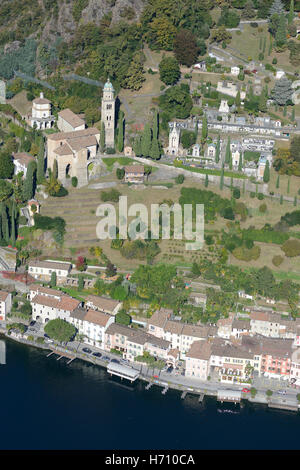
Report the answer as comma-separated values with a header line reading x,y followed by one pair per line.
x,y
108,113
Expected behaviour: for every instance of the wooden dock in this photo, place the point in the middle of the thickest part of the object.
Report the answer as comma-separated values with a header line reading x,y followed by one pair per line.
x,y
165,390
201,397
183,395
148,386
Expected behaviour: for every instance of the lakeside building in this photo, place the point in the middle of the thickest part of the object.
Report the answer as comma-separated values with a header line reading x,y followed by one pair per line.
x,y
103,304
5,304
21,161
49,304
92,324
42,270
69,121
133,343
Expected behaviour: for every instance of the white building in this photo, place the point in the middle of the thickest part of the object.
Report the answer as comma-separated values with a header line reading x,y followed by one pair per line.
x,y
197,360
43,269
92,324
41,115
235,71
174,137
69,121
21,161
49,304
5,304
196,151
224,108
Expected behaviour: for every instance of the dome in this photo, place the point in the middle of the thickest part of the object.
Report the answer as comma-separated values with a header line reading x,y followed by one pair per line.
x,y
108,86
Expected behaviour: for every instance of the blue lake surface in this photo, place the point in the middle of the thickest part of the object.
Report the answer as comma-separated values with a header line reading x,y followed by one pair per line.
x,y
47,404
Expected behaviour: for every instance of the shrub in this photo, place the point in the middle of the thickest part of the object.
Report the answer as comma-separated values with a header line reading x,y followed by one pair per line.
x,y
291,248
74,181
179,179
260,196
263,208
61,192
277,260
236,193
252,195
244,254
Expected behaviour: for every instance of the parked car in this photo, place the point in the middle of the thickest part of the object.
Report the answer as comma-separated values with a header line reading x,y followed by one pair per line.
x,y
86,350
282,392
169,369
32,323
246,390
49,340
116,361
105,358
46,336
97,354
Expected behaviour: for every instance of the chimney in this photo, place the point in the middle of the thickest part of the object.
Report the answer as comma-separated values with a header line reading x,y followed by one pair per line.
x,y
41,95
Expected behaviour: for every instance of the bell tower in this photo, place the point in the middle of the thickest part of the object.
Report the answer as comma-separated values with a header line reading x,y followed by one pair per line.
x,y
108,113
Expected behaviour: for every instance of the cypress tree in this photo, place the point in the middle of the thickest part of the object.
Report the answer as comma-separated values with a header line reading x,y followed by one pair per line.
x,y
102,137
222,178
291,12
29,183
40,163
55,169
256,190
284,110
244,187
278,182
5,224
13,225
228,152
218,150
137,146
155,125
240,168
288,186
120,138
155,150
231,184
204,127
281,31
281,199
206,180
266,176
53,279
293,114
146,141
295,201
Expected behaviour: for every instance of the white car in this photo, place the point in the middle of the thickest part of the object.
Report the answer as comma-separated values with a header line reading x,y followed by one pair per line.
x,y
282,392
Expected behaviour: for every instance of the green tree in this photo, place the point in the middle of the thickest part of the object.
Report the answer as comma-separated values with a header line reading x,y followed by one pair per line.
x,y
102,137
80,283
206,180
53,279
282,91
177,102
276,8
228,158
6,165
120,138
185,47
281,32
155,128
278,182
288,185
218,149
281,199
295,201
146,141
222,179
266,176
123,318
30,181
291,12
6,190
40,173
169,70
240,167
55,169
204,127
5,223
120,173
60,330
155,152
135,76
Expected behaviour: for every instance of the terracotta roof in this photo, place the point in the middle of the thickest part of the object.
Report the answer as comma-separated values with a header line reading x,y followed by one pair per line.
x,y
44,290
102,303
137,169
174,353
63,149
268,346
3,295
79,313
50,265
225,321
137,336
74,134
200,350
160,317
173,327
196,331
71,118
241,324
98,318
23,157
81,142
41,101
257,315
63,303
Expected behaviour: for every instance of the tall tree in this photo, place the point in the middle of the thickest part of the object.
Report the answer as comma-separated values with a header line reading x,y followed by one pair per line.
x,y
266,176
146,140
281,32
55,169
204,127
278,182
155,149
169,70
155,130
102,137
218,149
120,138
13,224
40,173
277,7
185,47
137,146
206,180
222,178
228,152
5,223
282,91
29,183
291,12
6,165
240,168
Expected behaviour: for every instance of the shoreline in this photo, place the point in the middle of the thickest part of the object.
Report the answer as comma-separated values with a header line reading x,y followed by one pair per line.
x,y
150,381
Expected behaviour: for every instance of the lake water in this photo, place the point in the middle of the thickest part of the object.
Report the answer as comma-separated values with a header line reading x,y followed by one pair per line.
x,y
47,404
